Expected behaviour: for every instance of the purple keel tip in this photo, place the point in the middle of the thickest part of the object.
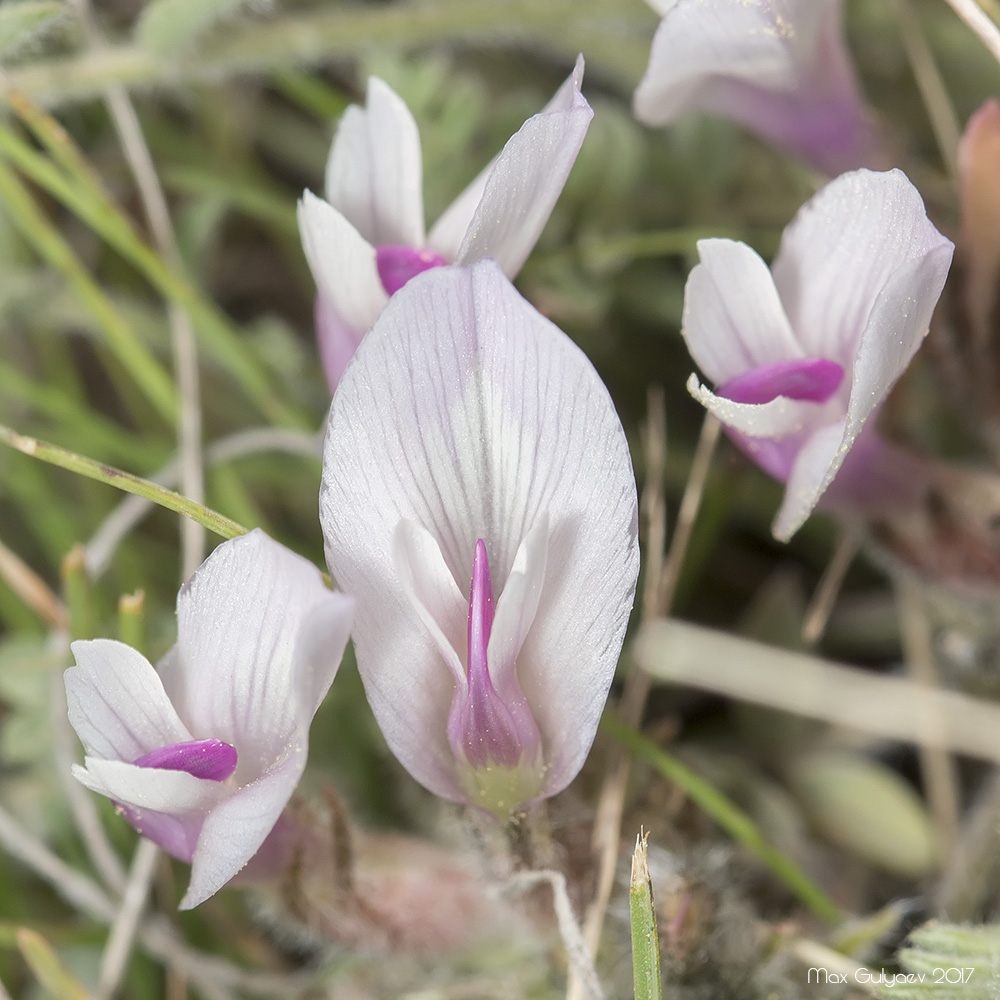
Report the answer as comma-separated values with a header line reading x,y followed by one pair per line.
x,y
397,264
812,379
201,758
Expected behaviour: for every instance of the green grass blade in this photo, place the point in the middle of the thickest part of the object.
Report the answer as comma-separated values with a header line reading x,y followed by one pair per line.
x,y
645,940
125,481
82,195
150,375
732,819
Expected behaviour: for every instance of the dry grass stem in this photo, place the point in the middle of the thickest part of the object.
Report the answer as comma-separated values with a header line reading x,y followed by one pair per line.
x,y
976,18
32,589
938,768
889,707
825,598
132,509
579,955
126,922
940,110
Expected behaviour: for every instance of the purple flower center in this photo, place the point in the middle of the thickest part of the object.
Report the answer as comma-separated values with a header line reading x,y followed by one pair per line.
x,y
211,759
397,264
486,726
812,379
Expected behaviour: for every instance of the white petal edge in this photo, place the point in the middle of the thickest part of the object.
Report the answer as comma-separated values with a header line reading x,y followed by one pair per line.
x,y
777,419
497,416
518,603
449,232
374,175
815,467
117,703
433,592
733,319
173,792
526,181
699,41
235,829
342,262
842,248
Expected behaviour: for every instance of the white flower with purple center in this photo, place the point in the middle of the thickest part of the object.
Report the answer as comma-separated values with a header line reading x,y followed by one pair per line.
x,y
478,500
202,755
803,354
367,239
778,67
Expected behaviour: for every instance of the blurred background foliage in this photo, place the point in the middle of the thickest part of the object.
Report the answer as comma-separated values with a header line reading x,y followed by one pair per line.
x,y
238,102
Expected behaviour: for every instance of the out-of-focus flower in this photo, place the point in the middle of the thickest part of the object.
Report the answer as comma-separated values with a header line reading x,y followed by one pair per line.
x,y
478,500
366,240
802,355
979,174
202,756
778,67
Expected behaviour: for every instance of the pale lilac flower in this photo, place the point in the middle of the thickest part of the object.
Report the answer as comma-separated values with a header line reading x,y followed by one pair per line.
x,y
203,755
479,501
802,355
778,67
367,239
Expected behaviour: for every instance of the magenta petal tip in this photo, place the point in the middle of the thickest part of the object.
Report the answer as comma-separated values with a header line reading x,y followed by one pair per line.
x,y
210,759
811,379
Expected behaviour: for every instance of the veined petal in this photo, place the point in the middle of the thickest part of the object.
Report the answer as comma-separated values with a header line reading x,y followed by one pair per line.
x,y
342,262
733,318
374,175
449,232
235,829
243,671
117,703
496,418
842,249
779,418
525,183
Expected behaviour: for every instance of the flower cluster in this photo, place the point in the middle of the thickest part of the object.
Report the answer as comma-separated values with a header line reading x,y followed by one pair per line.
x,y
477,502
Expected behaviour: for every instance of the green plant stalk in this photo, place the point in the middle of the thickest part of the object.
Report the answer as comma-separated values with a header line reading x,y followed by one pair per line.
x,y
315,37
132,620
732,819
645,939
169,499
78,594
48,969
51,247
220,338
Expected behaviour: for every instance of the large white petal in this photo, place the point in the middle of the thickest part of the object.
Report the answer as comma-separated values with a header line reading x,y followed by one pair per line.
x,y
733,318
117,703
526,181
470,414
235,829
448,234
236,673
342,262
842,248
374,175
